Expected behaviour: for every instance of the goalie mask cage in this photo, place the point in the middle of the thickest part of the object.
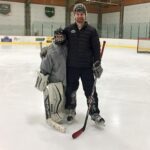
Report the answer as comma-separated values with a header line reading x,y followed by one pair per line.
x,y
143,45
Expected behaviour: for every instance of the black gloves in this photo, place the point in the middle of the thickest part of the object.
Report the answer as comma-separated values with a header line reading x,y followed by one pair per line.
x,y
97,69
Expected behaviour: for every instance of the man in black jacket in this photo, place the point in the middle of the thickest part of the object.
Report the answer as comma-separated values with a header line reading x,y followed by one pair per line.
x,y
83,61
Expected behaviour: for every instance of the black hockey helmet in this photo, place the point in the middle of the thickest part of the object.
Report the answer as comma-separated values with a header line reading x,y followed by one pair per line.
x,y
79,7
59,36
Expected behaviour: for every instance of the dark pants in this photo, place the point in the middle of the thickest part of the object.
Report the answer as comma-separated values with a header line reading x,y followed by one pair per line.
x,y
87,78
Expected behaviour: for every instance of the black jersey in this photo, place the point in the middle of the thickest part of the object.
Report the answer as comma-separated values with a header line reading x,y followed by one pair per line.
x,y
83,46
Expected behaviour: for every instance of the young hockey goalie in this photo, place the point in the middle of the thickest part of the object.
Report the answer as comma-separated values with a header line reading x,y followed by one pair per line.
x,y
52,77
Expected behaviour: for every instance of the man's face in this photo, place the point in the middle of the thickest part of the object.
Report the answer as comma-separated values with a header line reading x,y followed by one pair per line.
x,y
79,17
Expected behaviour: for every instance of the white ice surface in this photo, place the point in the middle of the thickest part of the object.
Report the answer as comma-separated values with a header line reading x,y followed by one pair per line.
x,y
124,101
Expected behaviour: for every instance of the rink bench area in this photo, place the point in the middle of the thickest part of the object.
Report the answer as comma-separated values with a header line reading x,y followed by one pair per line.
x,y
46,40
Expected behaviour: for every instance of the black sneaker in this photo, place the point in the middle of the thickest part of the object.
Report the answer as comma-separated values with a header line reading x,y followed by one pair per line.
x,y
98,119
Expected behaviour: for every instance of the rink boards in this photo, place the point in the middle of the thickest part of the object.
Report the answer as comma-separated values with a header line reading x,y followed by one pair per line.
x,y
25,40
46,40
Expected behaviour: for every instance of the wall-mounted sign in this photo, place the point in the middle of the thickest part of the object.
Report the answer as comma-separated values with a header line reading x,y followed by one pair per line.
x,y
39,39
49,11
4,9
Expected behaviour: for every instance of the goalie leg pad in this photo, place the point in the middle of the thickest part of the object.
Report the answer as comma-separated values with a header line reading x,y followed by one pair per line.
x,y
47,106
54,100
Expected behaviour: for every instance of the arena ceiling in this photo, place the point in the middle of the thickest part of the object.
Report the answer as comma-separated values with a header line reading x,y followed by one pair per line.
x,y
103,2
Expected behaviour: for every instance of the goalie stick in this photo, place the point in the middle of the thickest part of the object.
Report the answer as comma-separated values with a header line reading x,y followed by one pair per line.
x,y
55,125
80,131
41,46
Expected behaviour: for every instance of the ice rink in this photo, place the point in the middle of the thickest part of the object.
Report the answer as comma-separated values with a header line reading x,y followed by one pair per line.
x,y
124,101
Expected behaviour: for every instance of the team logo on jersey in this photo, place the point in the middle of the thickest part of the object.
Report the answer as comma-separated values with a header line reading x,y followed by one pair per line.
x,y
73,31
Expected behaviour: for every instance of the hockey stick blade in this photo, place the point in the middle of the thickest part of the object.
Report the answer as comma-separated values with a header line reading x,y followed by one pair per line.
x,y
77,133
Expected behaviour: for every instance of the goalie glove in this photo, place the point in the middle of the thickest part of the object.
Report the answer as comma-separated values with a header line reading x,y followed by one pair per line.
x,y
97,69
